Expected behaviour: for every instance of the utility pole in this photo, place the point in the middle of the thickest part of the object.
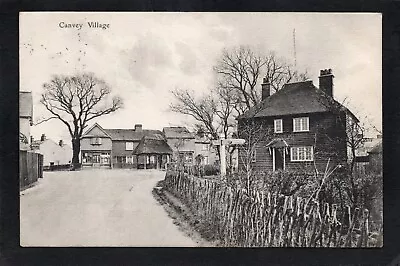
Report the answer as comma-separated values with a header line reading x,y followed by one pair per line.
x,y
294,47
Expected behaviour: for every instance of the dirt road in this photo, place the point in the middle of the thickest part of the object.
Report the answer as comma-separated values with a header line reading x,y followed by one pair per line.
x,y
97,208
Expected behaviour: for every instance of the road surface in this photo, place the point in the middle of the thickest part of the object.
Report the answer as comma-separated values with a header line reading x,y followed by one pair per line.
x,y
99,207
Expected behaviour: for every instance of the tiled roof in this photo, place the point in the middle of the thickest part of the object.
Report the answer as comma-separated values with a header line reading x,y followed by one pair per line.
x,y
131,134
293,98
177,132
154,144
25,104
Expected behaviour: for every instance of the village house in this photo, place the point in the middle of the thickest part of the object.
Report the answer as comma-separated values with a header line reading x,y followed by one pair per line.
x,y
116,148
204,152
182,143
302,126
25,118
53,153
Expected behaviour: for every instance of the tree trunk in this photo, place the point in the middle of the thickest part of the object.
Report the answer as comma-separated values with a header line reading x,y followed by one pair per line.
x,y
76,148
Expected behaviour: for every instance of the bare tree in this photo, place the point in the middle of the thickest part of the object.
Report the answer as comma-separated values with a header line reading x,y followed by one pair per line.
x,y
75,101
253,132
202,109
240,69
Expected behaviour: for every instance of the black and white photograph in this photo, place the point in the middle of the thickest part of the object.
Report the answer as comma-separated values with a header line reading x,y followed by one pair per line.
x,y
186,129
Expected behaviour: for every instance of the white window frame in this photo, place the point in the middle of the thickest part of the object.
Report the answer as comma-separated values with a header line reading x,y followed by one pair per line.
x,y
301,119
128,148
95,141
276,122
299,154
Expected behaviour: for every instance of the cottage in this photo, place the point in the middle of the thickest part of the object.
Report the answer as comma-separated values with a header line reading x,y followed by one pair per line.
x,y
204,152
300,126
116,148
53,153
182,143
96,147
25,118
152,152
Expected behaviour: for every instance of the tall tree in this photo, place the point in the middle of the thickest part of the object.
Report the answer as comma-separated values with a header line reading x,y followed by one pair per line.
x,y
240,69
75,101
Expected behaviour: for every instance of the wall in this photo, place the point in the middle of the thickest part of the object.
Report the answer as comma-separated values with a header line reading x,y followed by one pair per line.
x,y
327,137
119,148
106,145
52,152
25,128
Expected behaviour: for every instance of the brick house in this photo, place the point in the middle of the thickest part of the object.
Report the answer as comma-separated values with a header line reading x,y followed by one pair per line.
x,y
116,147
300,126
182,143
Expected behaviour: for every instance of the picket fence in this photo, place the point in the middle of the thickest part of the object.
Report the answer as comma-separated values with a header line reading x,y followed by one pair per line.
x,y
258,219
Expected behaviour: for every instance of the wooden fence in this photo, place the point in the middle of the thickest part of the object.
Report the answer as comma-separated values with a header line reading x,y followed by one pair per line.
x,y
260,219
30,168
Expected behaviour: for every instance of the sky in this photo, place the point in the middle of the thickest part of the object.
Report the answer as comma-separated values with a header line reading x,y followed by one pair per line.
x,y
143,56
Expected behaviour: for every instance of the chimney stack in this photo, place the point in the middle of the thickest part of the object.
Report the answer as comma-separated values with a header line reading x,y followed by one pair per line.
x,y
61,143
265,89
43,137
138,127
326,81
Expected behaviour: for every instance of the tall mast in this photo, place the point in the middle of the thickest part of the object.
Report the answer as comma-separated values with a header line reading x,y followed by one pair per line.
x,y
294,48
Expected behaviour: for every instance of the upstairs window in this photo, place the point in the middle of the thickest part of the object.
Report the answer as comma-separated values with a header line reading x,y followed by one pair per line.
x,y
301,124
278,126
95,141
129,146
301,154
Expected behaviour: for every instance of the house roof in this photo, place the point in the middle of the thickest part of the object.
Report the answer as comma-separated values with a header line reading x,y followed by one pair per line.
x,y
131,134
86,134
177,132
277,143
25,104
377,148
293,98
153,144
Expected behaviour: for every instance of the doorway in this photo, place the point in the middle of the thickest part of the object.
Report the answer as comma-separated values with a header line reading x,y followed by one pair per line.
x,y
279,159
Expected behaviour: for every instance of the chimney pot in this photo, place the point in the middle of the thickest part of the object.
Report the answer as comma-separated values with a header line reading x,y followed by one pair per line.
x,y
43,137
61,142
326,81
138,127
265,89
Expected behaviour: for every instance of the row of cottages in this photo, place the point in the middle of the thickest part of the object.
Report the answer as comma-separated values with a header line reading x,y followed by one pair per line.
x,y
188,147
53,153
139,148
301,127
124,148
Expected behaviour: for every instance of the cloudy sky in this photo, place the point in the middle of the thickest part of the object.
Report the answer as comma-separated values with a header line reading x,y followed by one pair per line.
x,y
143,56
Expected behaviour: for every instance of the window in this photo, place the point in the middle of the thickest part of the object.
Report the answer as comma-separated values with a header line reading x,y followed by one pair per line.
x,y
253,156
129,146
300,124
278,126
205,147
95,141
301,154
129,159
